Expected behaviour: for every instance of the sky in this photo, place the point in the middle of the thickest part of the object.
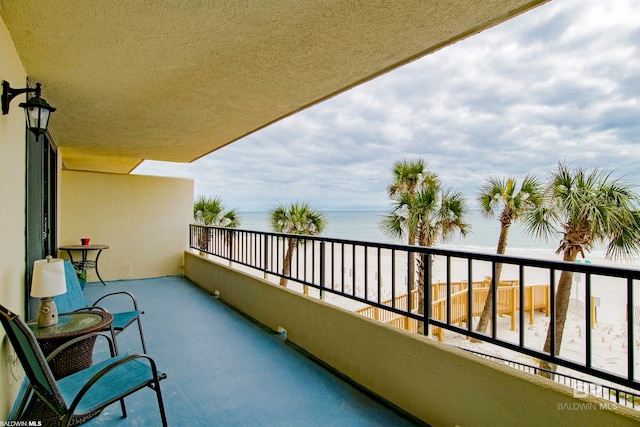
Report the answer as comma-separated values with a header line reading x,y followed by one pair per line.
x,y
560,83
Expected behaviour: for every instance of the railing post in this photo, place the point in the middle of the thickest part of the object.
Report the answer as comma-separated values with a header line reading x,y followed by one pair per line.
x,y
513,308
322,268
494,302
428,309
522,304
588,320
469,294
231,236
411,277
630,331
266,257
552,320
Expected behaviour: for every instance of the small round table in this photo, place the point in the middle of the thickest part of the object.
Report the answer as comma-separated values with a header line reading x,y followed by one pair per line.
x,y
71,325
85,263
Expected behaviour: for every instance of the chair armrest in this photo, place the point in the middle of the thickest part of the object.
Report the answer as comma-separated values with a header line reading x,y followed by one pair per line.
x,y
130,295
92,308
57,350
110,367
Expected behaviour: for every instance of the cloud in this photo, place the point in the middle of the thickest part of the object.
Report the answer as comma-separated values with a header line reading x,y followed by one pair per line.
x,y
559,83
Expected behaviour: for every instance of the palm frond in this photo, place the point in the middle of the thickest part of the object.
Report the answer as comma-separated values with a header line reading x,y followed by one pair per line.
x,y
297,218
540,223
392,226
594,207
211,211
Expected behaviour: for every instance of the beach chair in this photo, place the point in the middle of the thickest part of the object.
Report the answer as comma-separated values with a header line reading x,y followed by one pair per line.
x,y
73,300
85,393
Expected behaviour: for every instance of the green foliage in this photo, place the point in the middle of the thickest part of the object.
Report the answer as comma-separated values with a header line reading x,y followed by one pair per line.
x,y
503,197
588,207
297,218
421,207
210,211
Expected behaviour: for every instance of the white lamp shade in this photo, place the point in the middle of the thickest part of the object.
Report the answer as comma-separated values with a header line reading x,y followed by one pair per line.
x,y
48,278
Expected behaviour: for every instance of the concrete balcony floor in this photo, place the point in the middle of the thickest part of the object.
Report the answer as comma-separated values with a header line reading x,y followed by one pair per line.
x,y
225,370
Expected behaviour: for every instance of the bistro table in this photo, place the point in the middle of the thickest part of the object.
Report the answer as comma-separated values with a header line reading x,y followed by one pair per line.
x,y
84,264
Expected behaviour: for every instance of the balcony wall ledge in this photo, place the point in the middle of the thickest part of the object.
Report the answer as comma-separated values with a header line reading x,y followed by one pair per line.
x,y
434,382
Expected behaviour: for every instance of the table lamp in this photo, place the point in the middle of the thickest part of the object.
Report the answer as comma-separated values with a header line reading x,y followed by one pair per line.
x,y
48,281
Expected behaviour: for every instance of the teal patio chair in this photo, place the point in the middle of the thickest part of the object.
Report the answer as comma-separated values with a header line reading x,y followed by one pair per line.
x,y
83,394
73,300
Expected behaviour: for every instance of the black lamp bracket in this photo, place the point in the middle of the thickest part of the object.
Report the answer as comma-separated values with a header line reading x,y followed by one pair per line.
x,y
8,93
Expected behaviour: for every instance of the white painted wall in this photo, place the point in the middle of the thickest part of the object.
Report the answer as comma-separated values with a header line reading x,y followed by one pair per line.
x,y
12,206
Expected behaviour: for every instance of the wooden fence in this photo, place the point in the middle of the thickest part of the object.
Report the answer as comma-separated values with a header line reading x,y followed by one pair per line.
x,y
536,297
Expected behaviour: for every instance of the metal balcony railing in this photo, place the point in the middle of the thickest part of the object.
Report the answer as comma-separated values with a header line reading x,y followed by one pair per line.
x,y
602,340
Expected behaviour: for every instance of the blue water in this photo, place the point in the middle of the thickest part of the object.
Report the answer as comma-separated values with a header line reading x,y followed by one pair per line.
x,y
364,225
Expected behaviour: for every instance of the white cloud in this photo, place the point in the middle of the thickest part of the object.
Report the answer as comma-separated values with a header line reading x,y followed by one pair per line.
x,y
560,83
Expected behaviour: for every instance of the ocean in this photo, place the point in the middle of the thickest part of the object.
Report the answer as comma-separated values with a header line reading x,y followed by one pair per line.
x,y
365,226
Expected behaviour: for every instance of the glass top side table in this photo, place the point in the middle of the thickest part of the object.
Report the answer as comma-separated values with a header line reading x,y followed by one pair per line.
x,y
71,325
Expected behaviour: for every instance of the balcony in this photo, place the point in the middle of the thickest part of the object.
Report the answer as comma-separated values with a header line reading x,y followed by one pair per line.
x,y
330,280
239,350
224,369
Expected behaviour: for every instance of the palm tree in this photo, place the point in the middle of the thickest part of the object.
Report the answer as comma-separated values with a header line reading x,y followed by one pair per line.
x,y
210,211
407,177
587,207
296,218
431,214
502,196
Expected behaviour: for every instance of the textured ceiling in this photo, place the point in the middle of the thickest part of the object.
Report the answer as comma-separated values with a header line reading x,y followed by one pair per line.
x,y
177,79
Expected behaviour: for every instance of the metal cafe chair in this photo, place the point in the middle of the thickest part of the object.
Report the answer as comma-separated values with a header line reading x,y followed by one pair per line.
x,y
73,300
83,394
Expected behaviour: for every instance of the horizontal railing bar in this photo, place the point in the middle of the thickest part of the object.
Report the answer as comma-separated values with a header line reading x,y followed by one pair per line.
x,y
620,272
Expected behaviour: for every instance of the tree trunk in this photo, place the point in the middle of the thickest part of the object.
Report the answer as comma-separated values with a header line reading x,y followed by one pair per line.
x,y
204,239
421,279
412,263
563,294
422,260
486,311
286,270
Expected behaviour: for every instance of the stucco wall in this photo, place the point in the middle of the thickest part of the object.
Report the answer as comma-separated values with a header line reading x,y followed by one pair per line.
x,y
12,218
439,384
144,220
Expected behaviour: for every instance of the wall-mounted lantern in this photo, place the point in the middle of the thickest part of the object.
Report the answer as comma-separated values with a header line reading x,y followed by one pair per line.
x,y
36,108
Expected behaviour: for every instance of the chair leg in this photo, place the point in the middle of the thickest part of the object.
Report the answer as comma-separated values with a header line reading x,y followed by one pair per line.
x,y
160,403
144,346
115,341
124,408
117,352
